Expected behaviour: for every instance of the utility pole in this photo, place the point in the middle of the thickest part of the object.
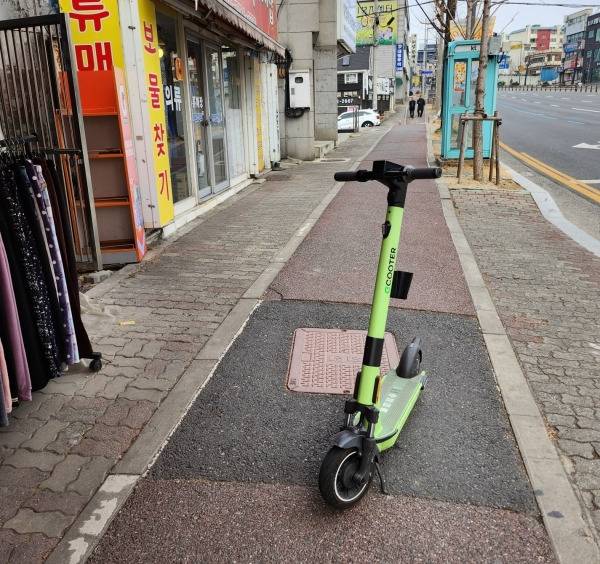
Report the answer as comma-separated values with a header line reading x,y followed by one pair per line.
x,y
480,94
425,58
375,26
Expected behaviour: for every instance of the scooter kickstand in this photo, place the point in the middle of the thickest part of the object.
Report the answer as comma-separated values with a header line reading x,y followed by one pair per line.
x,y
381,478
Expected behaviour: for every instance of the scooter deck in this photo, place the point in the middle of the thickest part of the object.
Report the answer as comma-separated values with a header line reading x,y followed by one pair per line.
x,y
398,397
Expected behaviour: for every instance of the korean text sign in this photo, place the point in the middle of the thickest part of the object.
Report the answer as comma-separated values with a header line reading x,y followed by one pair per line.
x,y
156,110
96,33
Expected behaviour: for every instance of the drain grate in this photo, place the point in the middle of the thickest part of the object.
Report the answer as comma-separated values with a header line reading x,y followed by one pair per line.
x,y
332,160
326,361
277,177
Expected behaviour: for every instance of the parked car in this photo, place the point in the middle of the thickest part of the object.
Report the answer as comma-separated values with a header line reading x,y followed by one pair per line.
x,y
366,118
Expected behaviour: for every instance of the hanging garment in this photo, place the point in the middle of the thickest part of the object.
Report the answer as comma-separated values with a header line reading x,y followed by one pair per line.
x,y
62,221
3,412
4,383
14,190
34,218
10,332
42,201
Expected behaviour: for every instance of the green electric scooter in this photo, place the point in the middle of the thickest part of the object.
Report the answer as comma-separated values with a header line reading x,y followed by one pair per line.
x,y
380,404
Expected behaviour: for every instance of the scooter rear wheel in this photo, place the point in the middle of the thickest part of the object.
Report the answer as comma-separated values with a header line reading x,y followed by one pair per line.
x,y
336,482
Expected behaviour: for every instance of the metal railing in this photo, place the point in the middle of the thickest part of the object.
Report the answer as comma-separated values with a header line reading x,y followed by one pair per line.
x,y
592,88
39,100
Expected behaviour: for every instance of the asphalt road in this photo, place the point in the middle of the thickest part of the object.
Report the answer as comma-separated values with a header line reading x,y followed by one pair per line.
x,y
548,125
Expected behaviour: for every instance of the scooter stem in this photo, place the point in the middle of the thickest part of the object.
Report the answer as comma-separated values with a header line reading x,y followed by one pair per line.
x,y
381,296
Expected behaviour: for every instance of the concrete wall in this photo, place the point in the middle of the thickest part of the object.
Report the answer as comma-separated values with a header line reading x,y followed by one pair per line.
x,y
10,9
325,75
308,30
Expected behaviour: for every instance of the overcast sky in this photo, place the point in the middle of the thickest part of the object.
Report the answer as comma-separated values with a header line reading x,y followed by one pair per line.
x,y
523,15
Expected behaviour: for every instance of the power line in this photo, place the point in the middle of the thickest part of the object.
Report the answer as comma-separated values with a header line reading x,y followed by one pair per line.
x,y
496,2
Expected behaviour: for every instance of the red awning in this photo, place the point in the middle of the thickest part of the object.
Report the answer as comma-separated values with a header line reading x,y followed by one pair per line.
x,y
227,12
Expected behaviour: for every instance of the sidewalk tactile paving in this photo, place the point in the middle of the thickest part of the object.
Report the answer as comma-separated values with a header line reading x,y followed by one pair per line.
x,y
326,361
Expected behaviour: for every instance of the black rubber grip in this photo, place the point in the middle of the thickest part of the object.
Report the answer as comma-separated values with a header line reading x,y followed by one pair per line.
x,y
345,176
423,173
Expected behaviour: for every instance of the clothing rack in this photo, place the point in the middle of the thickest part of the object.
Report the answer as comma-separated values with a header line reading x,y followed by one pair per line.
x,y
39,94
25,141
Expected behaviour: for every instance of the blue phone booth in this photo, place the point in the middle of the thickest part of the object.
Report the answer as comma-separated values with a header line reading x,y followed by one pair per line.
x,y
462,66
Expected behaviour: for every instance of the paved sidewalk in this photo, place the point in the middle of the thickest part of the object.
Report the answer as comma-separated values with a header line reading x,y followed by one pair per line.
x,y
547,291
237,479
61,446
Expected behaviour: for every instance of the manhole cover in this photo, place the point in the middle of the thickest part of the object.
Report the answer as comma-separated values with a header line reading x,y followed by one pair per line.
x,y
326,361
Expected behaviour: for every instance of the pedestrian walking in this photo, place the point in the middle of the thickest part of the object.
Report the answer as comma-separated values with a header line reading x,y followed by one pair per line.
x,y
411,106
420,106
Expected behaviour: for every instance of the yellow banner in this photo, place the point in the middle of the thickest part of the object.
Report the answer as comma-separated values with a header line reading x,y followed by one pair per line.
x,y
387,30
156,110
456,32
96,33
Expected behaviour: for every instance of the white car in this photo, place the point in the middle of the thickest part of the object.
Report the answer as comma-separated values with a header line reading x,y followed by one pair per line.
x,y
366,118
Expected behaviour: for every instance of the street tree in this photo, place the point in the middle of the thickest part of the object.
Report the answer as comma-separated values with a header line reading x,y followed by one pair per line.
x,y
480,94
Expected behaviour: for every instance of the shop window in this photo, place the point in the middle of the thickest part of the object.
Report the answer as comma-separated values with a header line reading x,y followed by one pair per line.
x,y
232,97
171,67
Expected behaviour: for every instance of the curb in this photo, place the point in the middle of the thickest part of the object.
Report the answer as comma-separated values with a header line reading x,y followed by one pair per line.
x,y
571,538
86,531
552,213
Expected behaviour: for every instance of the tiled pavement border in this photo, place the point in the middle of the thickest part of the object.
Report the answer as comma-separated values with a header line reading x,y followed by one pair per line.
x,y
572,539
85,532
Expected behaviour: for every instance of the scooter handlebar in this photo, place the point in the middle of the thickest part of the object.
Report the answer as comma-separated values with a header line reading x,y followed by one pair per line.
x,y
422,173
345,176
409,173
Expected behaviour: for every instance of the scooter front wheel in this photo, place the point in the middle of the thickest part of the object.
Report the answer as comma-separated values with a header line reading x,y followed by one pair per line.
x,y
336,478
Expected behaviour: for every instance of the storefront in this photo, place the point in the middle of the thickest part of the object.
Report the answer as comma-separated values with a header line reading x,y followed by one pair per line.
x,y
202,87
220,112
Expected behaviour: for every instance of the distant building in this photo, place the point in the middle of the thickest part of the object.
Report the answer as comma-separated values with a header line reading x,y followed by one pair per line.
x,y
523,42
353,79
574,45
544,66
591,60
355,71
427,54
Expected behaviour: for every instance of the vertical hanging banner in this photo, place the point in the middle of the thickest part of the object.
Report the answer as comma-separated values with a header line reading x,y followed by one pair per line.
x,y
135,198
258,110
399,58
156,110
96,33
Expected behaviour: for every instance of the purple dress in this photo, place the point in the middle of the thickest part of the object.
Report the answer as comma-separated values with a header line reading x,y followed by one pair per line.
x,y
10,328
42,200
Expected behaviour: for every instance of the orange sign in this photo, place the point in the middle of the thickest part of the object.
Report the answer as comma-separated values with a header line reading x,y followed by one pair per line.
x,y
96,33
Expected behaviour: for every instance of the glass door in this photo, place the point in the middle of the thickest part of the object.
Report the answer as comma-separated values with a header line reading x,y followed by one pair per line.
x,y
216,120
172,79
199,118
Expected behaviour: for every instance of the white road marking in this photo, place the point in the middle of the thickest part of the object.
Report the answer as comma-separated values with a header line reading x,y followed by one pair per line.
x,y
586,110
587,101
590,181
587,146
555,105
537,102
